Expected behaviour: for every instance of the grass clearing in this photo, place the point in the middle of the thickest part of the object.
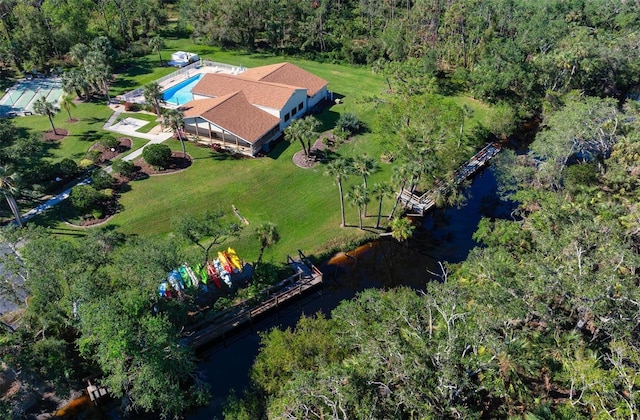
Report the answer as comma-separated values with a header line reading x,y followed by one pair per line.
x,y
303,203
83,133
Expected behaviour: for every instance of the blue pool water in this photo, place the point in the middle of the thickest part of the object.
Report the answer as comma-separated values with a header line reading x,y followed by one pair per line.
x,y
180,94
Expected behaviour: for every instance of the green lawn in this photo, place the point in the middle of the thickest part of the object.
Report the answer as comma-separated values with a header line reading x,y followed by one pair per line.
x,y
83,133
303,203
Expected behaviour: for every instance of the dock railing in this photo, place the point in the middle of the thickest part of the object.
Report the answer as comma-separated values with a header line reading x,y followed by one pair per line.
x,y
423,203
244,313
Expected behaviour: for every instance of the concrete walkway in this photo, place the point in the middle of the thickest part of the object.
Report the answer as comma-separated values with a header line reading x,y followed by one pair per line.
x,y
109,126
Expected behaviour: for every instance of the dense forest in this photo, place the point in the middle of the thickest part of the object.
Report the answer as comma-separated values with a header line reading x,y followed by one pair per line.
x,y
540,321
514,50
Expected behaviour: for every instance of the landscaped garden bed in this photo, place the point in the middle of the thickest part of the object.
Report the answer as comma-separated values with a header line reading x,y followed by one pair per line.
x,y
107,154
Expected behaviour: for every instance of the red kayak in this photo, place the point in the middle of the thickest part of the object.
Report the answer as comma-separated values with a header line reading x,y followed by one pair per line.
x,y
213,275
225,262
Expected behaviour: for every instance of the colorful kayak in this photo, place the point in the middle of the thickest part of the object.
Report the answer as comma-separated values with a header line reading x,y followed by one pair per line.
x,y
184,275
225,262
224,275
213,275
162,289
192,275
175,280
202,272
234,259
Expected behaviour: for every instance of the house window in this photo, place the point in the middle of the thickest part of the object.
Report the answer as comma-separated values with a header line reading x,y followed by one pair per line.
x,y
286,116
300,106
293,112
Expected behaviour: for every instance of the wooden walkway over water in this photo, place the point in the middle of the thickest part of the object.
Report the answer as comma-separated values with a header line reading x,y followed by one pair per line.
x,y
423,203
307,277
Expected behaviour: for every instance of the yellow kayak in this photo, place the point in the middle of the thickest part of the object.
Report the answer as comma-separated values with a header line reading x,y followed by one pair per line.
x,y
226,264
234,259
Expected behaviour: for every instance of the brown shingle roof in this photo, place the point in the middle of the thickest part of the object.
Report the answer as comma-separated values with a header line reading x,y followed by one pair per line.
x,y
271,95
288,74
234,113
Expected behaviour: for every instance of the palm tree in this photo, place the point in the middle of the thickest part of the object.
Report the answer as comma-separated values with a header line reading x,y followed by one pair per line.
x,y
302,130
78,52
401,229
9,187
174,119
103,75
358,197
157,44
365,165
42,107
339,169
267,234
71,81
67,103
401,175
310,125
152,96
380,191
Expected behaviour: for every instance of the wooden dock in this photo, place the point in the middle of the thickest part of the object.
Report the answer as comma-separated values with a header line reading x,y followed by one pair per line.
x,y
421,204
306,278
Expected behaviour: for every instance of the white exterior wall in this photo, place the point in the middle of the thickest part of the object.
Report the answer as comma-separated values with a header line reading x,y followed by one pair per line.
x,y
272,111
299,97
200,96
322,94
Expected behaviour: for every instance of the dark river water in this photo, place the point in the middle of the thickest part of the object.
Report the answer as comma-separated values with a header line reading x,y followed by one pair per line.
x,y
442,236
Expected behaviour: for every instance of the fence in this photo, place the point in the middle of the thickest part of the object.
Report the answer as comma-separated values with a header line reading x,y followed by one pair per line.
x,y
137,95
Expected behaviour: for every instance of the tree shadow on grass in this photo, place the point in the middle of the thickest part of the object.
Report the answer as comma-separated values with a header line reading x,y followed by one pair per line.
x,y
90,136
51,219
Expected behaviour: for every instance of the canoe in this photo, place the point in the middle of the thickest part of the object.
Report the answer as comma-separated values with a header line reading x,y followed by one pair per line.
x,y
225,262
235,260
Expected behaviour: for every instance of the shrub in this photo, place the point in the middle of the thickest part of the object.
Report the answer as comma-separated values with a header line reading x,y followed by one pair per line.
x,y
109,142
93,155
108,192
68,168
129,106
101,179
85,164
85,198
96,213
349,123
157,155
123,167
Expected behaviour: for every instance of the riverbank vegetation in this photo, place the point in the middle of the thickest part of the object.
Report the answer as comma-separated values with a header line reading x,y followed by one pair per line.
x,y
540,321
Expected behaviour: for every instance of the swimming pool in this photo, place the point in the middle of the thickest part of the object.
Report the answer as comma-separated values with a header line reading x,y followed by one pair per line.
x,y
180,94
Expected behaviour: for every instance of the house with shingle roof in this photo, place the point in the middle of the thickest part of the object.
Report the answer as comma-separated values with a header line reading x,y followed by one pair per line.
x,y
251,109
290,74
232,121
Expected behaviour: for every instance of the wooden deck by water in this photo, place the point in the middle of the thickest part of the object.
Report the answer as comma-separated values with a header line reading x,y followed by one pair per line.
x,y
421,204
306,277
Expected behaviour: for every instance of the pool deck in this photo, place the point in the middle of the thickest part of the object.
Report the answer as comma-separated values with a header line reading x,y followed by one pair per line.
x,y
137,96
